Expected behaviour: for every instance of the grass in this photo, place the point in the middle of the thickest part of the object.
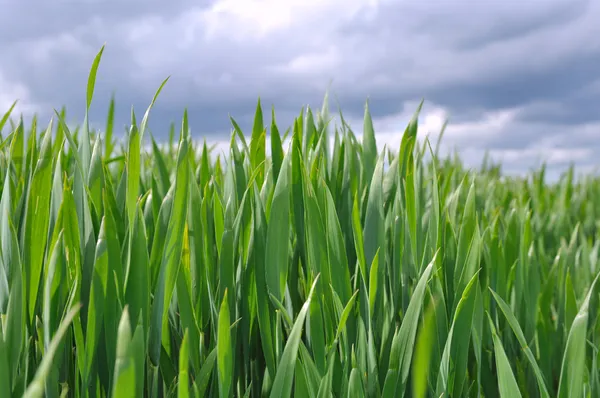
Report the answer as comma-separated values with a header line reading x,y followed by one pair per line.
x,y
317,271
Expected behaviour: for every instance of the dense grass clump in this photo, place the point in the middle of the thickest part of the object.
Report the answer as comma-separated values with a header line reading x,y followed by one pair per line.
x,y
320,270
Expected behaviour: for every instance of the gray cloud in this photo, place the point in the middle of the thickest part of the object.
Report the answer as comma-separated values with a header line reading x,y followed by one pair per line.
x,y
535,62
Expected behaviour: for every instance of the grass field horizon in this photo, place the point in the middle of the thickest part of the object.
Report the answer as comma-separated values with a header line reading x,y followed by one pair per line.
x,y
308,262
218,144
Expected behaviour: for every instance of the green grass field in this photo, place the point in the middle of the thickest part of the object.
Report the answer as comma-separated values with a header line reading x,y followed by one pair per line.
x,y
321,270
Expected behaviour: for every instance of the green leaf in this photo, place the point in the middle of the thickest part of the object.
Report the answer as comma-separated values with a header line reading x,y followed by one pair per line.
x,y
224,350
108,138
126,381
282,384
137,279
355,386
373,279
506,379
453,369
422,356
262,301
573,367
36,387
36,223
147,113
183,380
5,384
258,144
276,148
7,115
276,261
345,314
404,341
133,174
514,324
6,248
369,145
92,78
169,266
96,304
15,325
205,372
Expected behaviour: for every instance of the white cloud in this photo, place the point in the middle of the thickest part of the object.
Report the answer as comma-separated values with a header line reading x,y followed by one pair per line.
x,y
319,62
15,91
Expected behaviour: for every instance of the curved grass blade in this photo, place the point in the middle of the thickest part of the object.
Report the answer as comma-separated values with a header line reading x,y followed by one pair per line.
x,y
36,387
514,324
345,315
145,118
206,371
506,379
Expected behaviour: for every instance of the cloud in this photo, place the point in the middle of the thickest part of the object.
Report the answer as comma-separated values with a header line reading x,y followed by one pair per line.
x,y
518,81
9,92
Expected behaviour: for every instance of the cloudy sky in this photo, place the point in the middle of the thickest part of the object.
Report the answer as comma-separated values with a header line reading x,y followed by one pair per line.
x,y
520,79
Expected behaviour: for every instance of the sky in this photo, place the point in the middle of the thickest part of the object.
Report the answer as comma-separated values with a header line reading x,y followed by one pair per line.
x,y
520,80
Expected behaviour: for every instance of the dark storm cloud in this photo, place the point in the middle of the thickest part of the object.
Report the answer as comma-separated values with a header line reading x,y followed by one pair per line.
x,y
535,60
561,80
